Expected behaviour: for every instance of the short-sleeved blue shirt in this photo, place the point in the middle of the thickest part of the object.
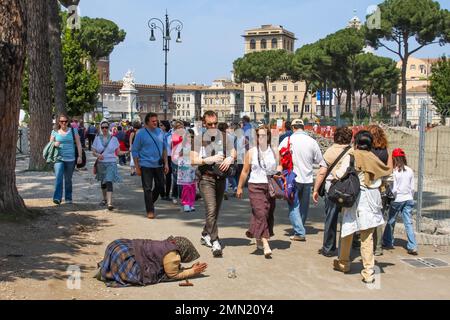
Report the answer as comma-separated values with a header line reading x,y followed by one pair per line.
x,y
67,146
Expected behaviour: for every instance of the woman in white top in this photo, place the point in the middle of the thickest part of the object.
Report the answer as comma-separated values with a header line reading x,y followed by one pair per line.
x,y
106,148
262,162
404,202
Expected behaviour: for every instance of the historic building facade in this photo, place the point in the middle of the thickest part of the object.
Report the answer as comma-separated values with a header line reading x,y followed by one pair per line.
x,y
285,96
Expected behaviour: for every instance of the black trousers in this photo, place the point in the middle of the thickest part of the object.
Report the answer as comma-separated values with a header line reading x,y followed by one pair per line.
x,y
330,229
168,178
151,193
91,138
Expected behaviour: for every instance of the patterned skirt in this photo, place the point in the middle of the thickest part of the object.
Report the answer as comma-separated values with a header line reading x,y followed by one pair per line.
x,y
107,172
119,267
263,207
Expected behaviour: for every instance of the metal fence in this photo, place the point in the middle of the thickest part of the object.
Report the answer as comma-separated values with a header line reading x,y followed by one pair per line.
x,y
428,154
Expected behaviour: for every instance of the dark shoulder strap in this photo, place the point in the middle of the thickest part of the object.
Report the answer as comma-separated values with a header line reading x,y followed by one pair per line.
x,y
151,136
335,163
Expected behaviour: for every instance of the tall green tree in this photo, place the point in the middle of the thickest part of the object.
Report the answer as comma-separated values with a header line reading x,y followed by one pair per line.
x,y
99,36
440,87
405,20
262,67
344,46
82,83
13,36
312,65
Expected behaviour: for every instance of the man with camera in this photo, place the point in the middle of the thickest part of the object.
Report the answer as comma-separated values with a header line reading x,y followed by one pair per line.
x,y
215,155
151,162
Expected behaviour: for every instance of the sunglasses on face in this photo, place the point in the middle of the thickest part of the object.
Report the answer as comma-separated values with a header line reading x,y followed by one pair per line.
x,y
63,121
105,128
212,124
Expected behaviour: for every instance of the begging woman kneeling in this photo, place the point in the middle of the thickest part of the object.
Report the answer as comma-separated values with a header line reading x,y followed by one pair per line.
x,y
145,262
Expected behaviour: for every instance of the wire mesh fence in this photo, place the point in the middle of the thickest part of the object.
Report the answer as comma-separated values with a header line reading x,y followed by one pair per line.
x,y
435,191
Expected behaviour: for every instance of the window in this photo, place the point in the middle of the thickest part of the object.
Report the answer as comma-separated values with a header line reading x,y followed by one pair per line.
x,y
263,108
408,101
285,108
188,99
284,88
295,107
188,114
285,98
295,88
223,101
252,44
307,108
183,113
413,67
295,98
252,108
274,88
422,69
274,98
178,113
274,108
263,44
252,88
183,99
274,43
252,98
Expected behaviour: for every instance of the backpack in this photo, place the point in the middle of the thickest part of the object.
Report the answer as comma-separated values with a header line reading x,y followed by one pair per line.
x,y
345,191
286,156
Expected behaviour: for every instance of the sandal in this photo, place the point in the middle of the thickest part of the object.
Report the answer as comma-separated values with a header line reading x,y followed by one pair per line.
x,y
110,207
103,203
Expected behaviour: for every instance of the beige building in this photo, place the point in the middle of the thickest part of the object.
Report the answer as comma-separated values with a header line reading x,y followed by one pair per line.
x,y
418,72
285,96
224,97
188,102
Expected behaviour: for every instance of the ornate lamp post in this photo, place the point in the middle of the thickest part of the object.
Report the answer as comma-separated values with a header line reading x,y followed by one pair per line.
x,y
166,28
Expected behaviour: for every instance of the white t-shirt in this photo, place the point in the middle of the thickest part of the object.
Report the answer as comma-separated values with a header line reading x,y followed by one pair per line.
x,y
109,154
403,185
268,165
305,153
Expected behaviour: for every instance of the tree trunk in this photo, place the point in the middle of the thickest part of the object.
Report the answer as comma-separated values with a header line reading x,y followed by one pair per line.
x,y
12,61
330,105
58,74
404,82
304,99
40,86
348,100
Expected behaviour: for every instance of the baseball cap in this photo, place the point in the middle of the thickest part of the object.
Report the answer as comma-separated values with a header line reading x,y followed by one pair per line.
x,y
398,153
297,122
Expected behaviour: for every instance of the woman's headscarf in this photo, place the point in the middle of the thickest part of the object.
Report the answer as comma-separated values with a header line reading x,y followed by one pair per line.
x,y
186,249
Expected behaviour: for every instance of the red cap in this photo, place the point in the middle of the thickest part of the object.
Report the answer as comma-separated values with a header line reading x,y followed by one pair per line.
x,y
398,153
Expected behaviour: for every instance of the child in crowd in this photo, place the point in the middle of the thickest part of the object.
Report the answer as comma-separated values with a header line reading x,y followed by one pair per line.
x,y
186,174
404,202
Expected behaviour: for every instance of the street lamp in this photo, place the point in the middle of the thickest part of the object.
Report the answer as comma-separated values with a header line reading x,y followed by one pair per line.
x,y
166,28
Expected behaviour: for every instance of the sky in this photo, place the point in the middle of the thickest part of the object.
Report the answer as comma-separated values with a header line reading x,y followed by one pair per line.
x,y
212,33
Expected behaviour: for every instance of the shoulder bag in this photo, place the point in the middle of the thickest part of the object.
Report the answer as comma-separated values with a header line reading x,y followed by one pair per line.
x,y
83,154
322,186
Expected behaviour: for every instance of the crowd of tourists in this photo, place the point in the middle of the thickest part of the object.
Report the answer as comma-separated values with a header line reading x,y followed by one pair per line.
x,y
360,178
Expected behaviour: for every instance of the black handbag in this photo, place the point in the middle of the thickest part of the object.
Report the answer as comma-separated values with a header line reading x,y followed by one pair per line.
x,y
83,154
322,186
345,191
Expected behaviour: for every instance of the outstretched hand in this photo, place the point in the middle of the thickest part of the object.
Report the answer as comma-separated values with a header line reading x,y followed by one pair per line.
x,y
199,267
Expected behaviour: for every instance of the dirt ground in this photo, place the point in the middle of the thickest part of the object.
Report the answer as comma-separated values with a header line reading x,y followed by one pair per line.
x,y
35,255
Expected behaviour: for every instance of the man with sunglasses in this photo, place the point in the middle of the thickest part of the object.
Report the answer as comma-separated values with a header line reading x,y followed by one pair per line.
x,y
206,153
149,152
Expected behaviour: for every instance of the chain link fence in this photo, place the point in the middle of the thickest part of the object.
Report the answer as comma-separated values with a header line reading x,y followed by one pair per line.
x,y
432,171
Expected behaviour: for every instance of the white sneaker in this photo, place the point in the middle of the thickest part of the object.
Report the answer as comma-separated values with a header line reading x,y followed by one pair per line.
x,y
216,249
186,208
206,241
192,209
174,201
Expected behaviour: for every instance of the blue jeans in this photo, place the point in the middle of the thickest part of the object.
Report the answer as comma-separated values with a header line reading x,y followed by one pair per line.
x,y
298,211
63,171
405,208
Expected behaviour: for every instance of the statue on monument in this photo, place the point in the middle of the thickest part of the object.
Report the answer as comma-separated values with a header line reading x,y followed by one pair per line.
x,y
128,81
